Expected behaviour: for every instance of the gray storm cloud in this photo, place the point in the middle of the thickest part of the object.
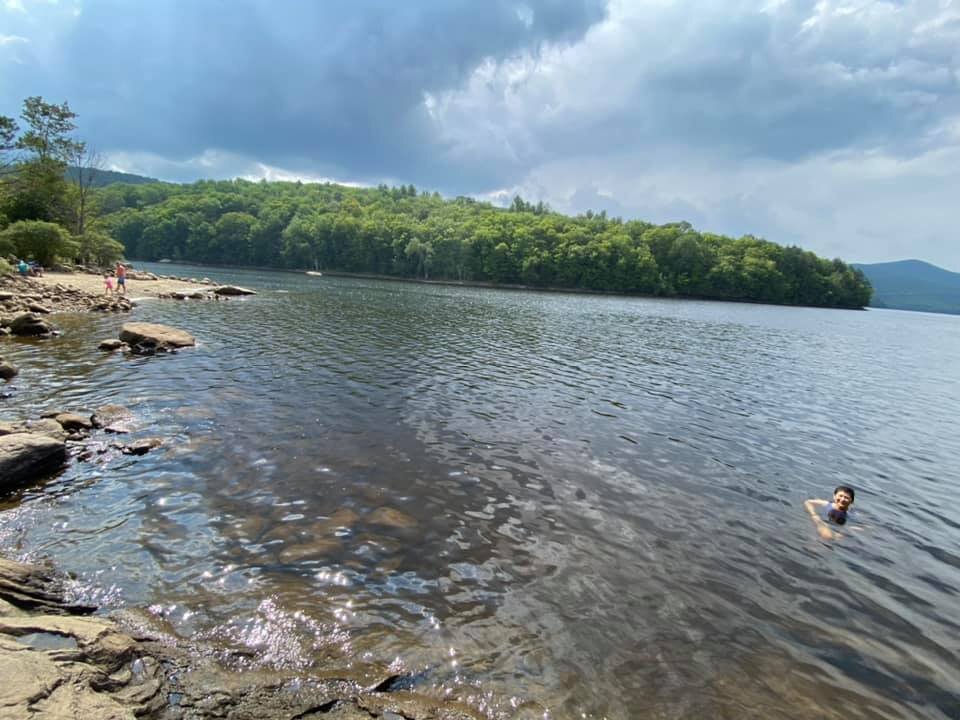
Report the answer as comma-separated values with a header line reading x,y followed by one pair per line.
x,y
325,87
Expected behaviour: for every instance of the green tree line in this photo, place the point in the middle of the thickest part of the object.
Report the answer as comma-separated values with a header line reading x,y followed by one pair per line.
x,y
401,232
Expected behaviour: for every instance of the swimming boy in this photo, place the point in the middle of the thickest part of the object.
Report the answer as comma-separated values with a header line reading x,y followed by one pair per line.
x,y
825,513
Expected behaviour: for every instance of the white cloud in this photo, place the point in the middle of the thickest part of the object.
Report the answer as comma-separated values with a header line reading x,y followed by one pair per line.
x,y
211,163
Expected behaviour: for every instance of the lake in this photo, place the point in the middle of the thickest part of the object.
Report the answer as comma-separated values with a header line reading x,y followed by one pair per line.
x,y
547,505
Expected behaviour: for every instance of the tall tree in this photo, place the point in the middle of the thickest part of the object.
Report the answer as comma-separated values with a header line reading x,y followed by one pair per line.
x,y
84,165
8,142
48,130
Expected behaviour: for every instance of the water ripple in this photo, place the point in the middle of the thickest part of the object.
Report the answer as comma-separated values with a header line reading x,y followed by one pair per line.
x,y
584,506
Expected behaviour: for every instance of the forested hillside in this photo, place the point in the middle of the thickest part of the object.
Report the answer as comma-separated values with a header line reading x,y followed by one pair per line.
x,y
102,178
400,232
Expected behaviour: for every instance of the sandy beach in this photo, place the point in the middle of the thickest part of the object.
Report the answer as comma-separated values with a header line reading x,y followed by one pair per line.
x,y
135,288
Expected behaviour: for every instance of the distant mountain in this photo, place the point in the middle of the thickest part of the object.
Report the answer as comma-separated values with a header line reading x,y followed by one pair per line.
x,y
913,285
109,177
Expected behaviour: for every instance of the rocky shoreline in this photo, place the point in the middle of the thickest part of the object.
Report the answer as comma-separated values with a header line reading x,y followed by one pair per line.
x,y
59,661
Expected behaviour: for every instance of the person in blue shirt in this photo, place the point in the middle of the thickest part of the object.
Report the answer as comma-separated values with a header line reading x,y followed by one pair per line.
x,y
23,268
826,514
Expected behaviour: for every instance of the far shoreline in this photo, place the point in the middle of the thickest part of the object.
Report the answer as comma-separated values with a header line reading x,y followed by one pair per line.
x,y
496,286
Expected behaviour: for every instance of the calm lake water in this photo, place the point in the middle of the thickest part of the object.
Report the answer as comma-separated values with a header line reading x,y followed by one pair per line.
x,y
547,505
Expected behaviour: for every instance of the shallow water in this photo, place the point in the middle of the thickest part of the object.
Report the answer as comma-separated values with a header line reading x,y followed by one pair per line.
x,y
546,505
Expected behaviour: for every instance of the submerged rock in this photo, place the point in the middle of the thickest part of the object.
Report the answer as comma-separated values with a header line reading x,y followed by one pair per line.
x,y
113,418
7,370
390,517
25,457
142,446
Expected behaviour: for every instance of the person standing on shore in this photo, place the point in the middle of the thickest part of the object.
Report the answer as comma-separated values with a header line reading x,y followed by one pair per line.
x,y
121,278
107,284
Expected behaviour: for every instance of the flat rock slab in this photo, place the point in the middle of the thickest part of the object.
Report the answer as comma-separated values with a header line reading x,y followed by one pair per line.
x,y
25,457
161,336
233,290
91,679
45,426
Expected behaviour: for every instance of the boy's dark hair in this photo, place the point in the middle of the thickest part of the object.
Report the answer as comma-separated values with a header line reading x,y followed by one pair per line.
x,y
847,489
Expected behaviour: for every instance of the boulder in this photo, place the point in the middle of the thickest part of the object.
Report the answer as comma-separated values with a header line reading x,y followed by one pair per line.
x,y
71,422
26,456
111,345
233,290
29,324
7,369
158,337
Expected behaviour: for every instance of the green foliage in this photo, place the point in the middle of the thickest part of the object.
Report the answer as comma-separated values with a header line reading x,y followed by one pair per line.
x,y
396,231
41,241
97,249
5,268
6,245
36,191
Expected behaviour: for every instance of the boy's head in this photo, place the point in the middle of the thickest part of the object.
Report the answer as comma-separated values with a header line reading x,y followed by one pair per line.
x,y
843,496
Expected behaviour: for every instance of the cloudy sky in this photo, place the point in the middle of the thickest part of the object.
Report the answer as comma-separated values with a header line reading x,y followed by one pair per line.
x,y
832,124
